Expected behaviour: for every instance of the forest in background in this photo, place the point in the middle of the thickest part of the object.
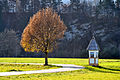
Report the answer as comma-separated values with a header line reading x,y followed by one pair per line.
x,y
83,19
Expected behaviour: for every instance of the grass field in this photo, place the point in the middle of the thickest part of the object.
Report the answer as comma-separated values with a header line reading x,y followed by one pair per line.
x,y
109,69
23,67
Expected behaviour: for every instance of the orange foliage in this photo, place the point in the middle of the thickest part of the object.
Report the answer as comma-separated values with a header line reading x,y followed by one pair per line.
x,y
44,28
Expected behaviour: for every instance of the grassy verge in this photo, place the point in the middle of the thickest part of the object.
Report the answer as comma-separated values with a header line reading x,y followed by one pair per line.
x,y
109,69
23,67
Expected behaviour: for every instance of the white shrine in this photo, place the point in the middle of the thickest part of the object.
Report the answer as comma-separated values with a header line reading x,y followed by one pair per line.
x,y
93,49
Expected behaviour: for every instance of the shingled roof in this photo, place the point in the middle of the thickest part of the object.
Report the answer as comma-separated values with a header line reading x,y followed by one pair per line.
x,y
93,45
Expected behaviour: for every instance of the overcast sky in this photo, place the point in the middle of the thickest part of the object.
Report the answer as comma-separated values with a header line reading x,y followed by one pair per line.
x,y
66,1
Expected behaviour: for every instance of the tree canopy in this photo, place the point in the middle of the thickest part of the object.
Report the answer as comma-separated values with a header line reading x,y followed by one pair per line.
x,y
44,28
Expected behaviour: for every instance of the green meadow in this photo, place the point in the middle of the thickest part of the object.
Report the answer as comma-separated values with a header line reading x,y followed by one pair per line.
x,y
109,69
24,67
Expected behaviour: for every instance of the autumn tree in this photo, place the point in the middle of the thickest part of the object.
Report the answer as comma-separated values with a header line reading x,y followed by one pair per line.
x,y
42,32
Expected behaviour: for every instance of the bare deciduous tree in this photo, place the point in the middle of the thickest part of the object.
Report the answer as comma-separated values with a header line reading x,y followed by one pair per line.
x,y
9,44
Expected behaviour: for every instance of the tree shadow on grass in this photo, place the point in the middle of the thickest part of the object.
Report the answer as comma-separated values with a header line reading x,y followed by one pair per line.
x,y
14,70
108,68
102,69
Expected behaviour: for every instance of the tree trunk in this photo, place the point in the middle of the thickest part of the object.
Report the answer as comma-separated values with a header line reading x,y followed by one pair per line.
x,y
46,58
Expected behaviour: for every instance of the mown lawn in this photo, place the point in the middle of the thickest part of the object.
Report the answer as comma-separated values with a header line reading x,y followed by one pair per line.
x,y
23,67
109,69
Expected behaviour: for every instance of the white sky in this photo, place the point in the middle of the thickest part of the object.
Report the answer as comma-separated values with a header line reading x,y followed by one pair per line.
x,y
66,1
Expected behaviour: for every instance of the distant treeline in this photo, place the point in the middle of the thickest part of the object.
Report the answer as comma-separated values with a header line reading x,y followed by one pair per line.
x,y
83,19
